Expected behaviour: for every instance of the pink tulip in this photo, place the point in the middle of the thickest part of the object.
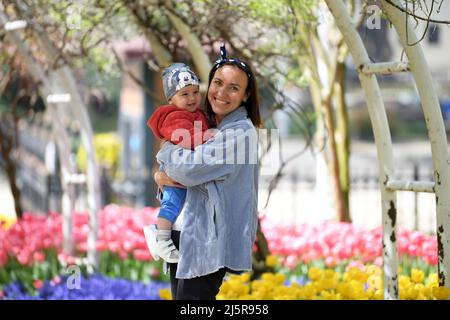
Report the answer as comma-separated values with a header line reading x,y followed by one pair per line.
x,y
155,273
56,280
37,284
330,261
120,231
355,264
291,261
142,255
38,256
66,259
378,261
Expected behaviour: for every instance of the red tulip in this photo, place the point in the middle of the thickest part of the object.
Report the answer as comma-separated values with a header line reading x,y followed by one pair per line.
x,y
37,284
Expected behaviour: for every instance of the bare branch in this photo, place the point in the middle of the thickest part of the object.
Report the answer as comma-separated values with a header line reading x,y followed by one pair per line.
x,y
416,16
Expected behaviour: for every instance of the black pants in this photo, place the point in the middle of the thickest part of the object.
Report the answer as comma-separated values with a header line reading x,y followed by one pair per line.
x,y
199,288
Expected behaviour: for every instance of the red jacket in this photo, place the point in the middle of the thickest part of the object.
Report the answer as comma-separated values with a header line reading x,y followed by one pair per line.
x,y
166,119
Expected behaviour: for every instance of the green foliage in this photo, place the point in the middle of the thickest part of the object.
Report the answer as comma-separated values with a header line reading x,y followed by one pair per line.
x,y
298,77
273,11
113,266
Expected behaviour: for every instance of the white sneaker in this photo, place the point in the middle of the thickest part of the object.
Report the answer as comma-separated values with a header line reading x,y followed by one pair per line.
x,y
150,237
167,251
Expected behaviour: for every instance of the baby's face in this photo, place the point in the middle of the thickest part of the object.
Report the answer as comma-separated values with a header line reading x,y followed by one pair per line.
x,y
188,98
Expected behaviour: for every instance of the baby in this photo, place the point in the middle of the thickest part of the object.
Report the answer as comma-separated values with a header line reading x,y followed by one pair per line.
x,y
181,88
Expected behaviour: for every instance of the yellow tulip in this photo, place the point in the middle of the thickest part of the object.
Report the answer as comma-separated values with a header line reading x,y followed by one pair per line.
x,y
279,278
412,293
417,276
375,282
343,289
165,294
441,293
245,277
373,270
271,261
309,291
356,290
433,280
404,281
6,221
315,273
378,295
326,295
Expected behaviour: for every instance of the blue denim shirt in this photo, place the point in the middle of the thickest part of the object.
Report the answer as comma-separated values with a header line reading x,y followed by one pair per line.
x,y
220,211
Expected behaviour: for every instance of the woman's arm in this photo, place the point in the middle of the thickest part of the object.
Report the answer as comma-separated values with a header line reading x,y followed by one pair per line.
x,y
213,160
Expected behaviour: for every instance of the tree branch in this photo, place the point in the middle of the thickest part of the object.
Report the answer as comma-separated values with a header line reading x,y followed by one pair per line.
x,y
416,16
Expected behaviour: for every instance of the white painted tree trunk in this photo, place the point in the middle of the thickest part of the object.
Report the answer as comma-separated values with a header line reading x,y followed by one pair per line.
x,y
436,132
383,142
92,176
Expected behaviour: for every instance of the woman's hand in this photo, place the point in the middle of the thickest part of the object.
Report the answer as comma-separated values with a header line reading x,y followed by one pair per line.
x,y
162,179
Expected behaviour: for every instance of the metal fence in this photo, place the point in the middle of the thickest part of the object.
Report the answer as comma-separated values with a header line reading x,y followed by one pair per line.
x,y
300,198
37,166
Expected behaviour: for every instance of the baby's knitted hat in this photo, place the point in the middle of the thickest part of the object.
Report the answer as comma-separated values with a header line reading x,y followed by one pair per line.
x,y
177,76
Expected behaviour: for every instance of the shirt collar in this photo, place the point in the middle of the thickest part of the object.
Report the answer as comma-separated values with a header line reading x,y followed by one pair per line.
x,y
238,114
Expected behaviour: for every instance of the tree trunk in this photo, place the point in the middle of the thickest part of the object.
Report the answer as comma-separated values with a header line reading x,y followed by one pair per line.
x,y
6,146
333,163
162,55
323,180
194,45
262,251
342,140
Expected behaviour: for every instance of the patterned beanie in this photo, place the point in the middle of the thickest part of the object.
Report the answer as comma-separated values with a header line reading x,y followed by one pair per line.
x,y
176,77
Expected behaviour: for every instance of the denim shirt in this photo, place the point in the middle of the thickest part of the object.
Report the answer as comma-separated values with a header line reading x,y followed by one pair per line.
x,y
220,210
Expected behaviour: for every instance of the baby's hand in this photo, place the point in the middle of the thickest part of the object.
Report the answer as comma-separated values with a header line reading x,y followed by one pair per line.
x,y
208,134
162,179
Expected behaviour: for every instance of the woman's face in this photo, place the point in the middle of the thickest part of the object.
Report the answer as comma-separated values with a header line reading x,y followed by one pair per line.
x,y
227,90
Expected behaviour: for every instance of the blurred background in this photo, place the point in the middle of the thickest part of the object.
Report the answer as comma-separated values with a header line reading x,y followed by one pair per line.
x,y
113,53
80,78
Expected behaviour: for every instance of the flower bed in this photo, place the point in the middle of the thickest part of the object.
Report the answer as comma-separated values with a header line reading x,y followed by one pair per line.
x,y
31,256
31,249
332,244
327,284
94,287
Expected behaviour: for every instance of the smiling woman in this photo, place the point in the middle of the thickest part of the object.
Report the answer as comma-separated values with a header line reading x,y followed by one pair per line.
x,y
220,211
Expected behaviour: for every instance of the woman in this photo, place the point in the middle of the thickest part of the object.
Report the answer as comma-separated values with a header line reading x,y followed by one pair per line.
x,y
221,175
